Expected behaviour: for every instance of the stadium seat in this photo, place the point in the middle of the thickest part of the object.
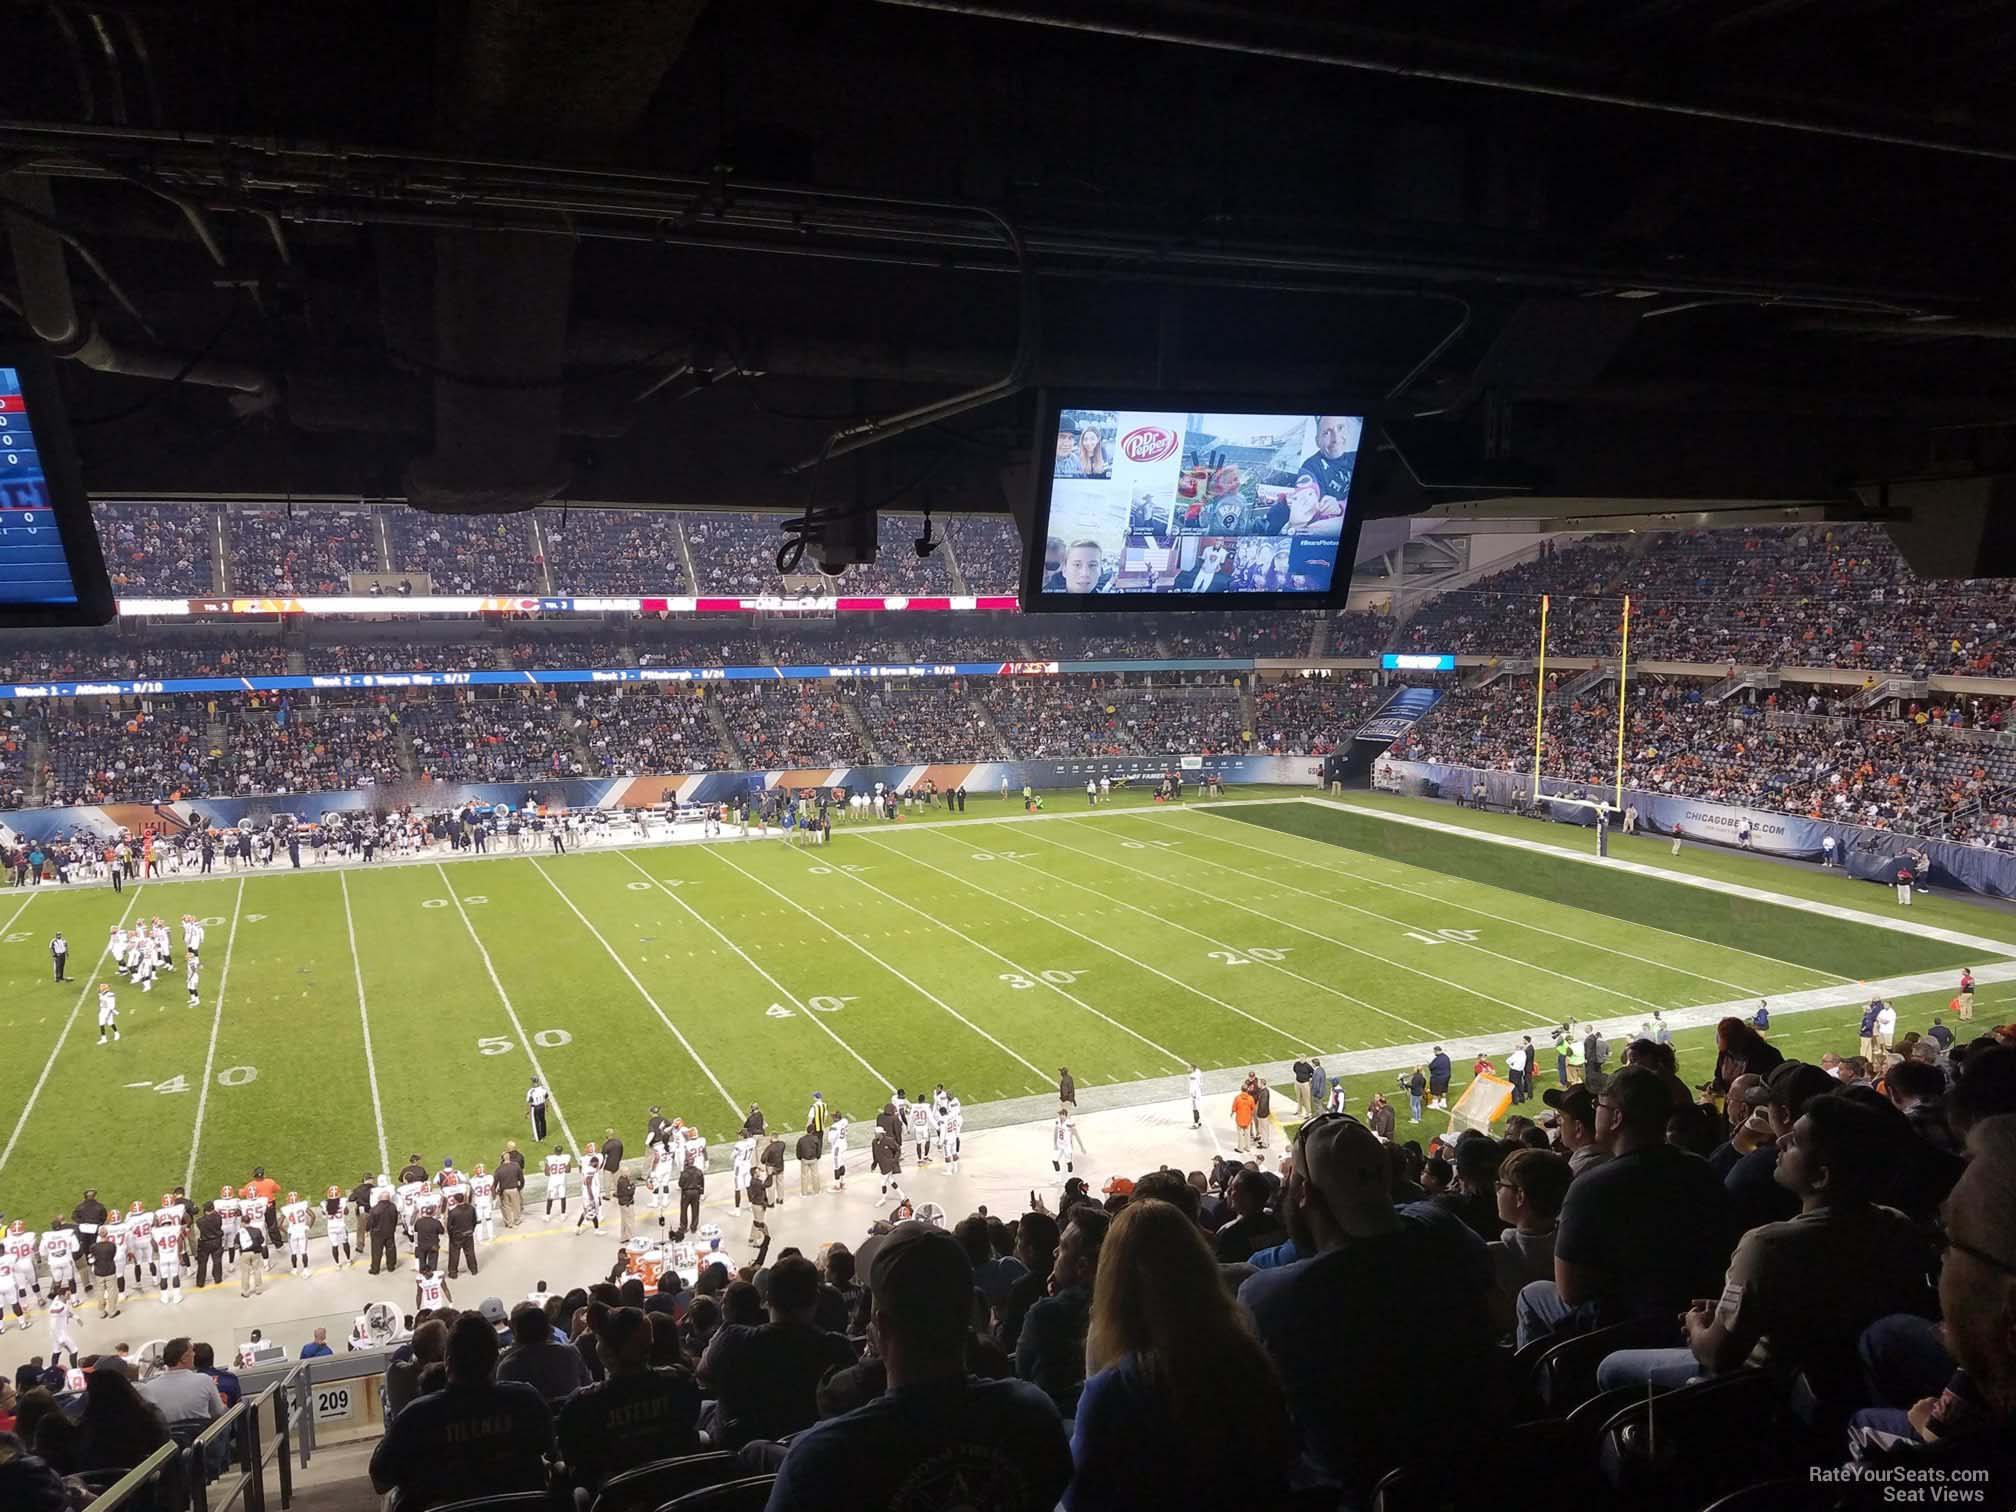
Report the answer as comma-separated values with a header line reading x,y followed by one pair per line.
x,y
1669,1450
511,1501
653,1485
1564,1376
747,1495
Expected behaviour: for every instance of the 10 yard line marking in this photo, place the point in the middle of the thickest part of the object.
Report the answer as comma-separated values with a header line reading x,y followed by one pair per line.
x,y
705,1070
509,1012
364,1017
56,1049
804,1010
856,945
216,1023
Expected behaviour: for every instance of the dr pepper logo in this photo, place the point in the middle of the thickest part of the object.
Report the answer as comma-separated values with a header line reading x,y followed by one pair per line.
x,y
1148,443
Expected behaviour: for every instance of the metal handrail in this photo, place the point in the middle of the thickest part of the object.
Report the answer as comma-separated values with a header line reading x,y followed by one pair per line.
x,y
242,1423
143,1474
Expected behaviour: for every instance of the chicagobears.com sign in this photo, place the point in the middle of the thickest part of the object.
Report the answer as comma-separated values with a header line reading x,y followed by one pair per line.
x,y
1148,443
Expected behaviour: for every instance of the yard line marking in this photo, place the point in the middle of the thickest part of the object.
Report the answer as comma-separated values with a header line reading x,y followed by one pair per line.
x,y
804,1011
1033,975
210,1055
77,1007
1293,1039
512,1013
364,1017
1485,913
643,992
33,894
1539,1018
2000,948
862,949
1629,997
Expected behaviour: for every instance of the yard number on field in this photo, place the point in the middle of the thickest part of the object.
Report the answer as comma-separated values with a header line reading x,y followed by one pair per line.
x,y
1250,955
1002,855
1018,981
1442,936
824,1003
545,1039
230,1076
1147,844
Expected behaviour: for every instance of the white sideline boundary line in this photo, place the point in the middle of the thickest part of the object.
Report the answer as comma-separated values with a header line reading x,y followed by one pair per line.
x,y
56,1049
1314,864
216,1024
1403,924
1683,879
531,1052
1182,1063
1280,923
805,1010
922,992
364,1018
644,992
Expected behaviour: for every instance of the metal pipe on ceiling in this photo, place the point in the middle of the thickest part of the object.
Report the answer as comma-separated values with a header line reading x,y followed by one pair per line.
x,y
1241,41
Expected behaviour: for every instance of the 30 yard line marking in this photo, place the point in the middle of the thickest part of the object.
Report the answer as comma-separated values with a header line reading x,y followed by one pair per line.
x,y
1251,1018
1537,1017
804,1012
210,1055
56,1049
643,992
364,1017
1485,913
1629,997
553,1098
1033,975
856,945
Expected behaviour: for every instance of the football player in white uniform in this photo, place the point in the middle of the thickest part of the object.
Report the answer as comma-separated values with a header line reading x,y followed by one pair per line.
x,y
141,955
740,1159
192,941
431,1290
59,1250
338,1224
192,976
951,1128
483,1193
10,1298
921,1122
20,1249
836,1142
296,1222
591,1190
662,1173
168,1247
1196,1098
163,949
108,1012
230,1208
140,1244
61,1308
1063,1136
118,948
556,1180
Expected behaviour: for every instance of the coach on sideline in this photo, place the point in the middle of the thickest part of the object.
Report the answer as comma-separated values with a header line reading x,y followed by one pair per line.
x,y
511,1184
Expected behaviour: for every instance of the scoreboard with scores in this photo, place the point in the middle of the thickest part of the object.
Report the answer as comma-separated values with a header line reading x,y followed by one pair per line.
x,y
51,571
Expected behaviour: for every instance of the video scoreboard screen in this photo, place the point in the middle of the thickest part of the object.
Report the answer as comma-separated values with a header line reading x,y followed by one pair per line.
x,y
51,570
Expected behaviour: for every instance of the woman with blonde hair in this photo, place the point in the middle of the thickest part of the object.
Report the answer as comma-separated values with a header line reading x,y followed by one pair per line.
x,y
1175,1374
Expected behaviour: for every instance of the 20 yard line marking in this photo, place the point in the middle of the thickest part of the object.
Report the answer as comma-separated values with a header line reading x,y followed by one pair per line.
x,y
804,1011
848,939
511,1013
364,1017
210,1055
56,1049
643,992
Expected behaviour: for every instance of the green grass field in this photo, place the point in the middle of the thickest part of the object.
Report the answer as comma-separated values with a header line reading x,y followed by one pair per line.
x,y
350,1017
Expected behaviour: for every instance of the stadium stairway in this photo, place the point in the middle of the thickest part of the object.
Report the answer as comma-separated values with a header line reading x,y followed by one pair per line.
x,y
1319,638
852,713
952,565
685,553
994,731
730,746
37,759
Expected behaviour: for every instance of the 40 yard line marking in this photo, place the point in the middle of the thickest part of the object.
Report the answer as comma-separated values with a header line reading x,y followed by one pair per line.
x,y
804,1011
364,1017
684,1044
511,1013
210,1055
840,934
57,1048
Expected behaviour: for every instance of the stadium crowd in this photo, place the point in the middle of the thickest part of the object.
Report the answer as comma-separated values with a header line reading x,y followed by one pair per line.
x,y
613,551
401,656
989,552
638,731
799,723
927,721
1308,716
1073,717
474,554
522,735
301,551
158,549
1799,1273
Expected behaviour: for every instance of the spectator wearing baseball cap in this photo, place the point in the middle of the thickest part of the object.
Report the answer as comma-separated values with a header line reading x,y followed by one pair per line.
x,y
1755,1196
1398,1293
1576,1107
1643,1234
936,1437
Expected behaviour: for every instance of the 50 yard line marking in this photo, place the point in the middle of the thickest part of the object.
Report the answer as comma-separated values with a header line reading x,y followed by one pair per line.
x,y
553,1098
57,1048
643,992
364,1017
210,1055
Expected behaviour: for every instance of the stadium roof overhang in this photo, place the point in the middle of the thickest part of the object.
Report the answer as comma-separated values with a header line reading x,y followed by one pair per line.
x,y
1660,256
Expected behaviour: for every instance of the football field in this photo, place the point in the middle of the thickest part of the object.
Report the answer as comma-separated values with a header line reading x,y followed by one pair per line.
x,y
351,1016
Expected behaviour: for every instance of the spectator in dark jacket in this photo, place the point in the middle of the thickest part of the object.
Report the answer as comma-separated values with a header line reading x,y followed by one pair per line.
x,y
1050,1352
477,1437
